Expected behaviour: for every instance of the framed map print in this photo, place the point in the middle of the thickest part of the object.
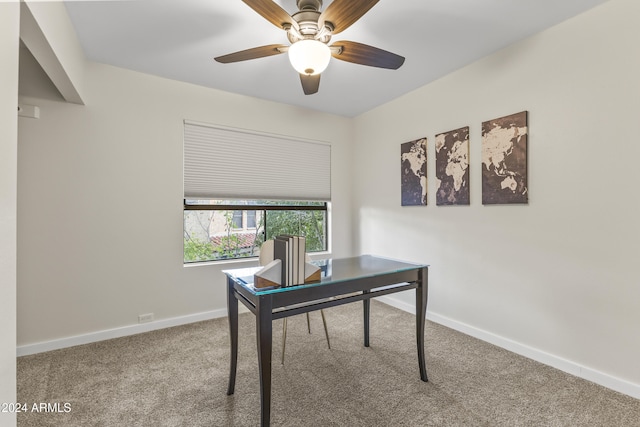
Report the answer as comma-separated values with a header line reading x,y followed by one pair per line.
x,y
413,169
452,167
504,160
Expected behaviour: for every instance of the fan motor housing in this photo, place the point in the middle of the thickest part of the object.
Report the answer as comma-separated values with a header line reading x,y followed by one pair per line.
x,y
307,19
309,4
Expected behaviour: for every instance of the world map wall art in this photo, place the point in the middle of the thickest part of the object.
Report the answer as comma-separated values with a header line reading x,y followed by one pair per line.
x,y
452,167
504,160
413,158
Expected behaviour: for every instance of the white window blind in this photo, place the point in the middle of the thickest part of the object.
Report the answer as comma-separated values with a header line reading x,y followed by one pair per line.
x,y
224,163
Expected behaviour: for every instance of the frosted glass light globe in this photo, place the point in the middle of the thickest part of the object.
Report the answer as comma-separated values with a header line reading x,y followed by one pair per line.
x,y
309,57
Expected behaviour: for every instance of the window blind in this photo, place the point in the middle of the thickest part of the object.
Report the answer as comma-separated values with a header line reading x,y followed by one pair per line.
x,y
225,163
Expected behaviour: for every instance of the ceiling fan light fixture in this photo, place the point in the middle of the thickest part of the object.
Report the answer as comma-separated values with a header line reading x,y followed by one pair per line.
x,y
309,57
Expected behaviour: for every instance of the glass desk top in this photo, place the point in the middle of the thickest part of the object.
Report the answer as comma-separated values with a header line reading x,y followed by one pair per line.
x,y
333,271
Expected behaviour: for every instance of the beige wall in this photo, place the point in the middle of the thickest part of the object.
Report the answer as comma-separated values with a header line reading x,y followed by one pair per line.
x,y
556,279
100,206
9,35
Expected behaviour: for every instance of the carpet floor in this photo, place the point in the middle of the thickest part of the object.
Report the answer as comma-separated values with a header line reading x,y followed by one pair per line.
x,y
178,377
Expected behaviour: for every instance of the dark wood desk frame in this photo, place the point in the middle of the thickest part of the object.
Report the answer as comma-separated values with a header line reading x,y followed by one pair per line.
x,y
299,300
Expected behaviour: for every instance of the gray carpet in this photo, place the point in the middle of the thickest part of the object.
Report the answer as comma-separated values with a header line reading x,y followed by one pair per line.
x,y
178,377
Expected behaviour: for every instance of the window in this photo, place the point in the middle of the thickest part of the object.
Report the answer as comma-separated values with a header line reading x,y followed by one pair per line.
x,y
242,187
251,219
236,219
215,230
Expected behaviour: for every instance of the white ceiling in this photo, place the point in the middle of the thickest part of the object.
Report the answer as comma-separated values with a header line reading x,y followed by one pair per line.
x,y
178,39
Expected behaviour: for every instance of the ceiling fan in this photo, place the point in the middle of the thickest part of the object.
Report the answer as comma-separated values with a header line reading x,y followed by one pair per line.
x,y
309,32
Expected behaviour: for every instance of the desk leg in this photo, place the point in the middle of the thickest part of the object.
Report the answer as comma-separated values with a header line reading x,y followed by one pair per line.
x,y
421,313
367,312
232,311
264,341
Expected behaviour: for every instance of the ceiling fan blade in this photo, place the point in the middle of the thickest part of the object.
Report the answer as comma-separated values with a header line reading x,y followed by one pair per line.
x,y
343,13
310,84
254,53
272,12
363,54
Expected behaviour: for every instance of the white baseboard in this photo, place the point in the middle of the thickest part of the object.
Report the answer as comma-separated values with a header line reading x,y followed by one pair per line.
x,y
575,369
41,347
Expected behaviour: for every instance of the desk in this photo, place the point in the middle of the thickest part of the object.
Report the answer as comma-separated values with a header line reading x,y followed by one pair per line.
x,y
343,281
